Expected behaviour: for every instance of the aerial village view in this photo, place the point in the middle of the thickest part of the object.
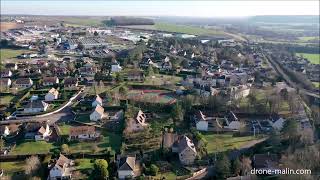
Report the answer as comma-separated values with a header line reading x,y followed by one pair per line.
x,y
158,97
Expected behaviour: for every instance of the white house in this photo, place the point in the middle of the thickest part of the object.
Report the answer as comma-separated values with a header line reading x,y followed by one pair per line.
x,y
24,82
116,67
50,81
126,167
51,95
83,133
276,122
232,122
97,114
6,73
43,133
11,129
35,107
5,82
201,121
186,150
61,169
97,101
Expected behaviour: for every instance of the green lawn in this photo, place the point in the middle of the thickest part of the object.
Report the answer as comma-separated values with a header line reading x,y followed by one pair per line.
x,y
65,129
11,53
84,164
28,147
109,140
187,29
224,142
5,100
12,167
316,84
313,58
308,38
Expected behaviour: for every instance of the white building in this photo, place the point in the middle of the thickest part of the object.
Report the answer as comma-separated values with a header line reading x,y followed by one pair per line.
x,y
97,101
43,133
61,169
35,107
52,95
83,133
116,68
97,114
126,167
201,121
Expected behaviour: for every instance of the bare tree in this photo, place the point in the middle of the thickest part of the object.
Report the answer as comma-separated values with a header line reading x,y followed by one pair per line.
x,y
32,165
245,165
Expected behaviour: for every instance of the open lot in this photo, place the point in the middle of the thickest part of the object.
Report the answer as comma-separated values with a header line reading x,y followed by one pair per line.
x,y
313,58
155,96
109,140
226,142
12,167
11,53
5,100
32,147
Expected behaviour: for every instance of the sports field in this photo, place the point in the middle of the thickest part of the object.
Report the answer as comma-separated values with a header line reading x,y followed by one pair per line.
x,y
155,96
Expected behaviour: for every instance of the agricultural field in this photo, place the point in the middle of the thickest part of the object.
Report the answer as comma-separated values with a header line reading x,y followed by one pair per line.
x,y
313,58
224,142
11,53
308,38
4,26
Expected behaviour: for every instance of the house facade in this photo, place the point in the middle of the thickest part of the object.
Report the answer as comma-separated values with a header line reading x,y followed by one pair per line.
x,y
201,121
52,95
97,114
23,83
83,133
126,167
61,169
36,107
50,81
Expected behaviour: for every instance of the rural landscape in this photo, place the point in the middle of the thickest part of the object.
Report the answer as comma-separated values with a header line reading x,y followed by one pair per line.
x,y
159,97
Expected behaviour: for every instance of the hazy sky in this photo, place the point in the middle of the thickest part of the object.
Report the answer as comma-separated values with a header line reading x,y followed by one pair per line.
x,y
161,8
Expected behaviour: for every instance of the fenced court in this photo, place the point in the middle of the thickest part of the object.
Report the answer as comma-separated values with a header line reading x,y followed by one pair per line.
x,y
155,96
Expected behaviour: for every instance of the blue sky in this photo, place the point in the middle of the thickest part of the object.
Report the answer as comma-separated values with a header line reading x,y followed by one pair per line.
x,y
161,8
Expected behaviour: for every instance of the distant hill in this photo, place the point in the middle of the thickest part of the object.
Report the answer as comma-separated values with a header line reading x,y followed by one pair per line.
x,y
127,21
285,19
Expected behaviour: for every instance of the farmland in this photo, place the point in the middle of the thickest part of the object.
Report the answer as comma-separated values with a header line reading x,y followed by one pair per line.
x,y
313,58
11,53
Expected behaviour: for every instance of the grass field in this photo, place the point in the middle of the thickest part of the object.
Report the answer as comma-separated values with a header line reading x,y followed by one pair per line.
x,y
186,29
157,96
84,164
227,142
10,53
308,38
12,167
109,140
65,129
5,100
316,84
313,58
29,147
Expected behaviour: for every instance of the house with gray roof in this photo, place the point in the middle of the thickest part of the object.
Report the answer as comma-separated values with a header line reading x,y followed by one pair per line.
x,y
127,167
